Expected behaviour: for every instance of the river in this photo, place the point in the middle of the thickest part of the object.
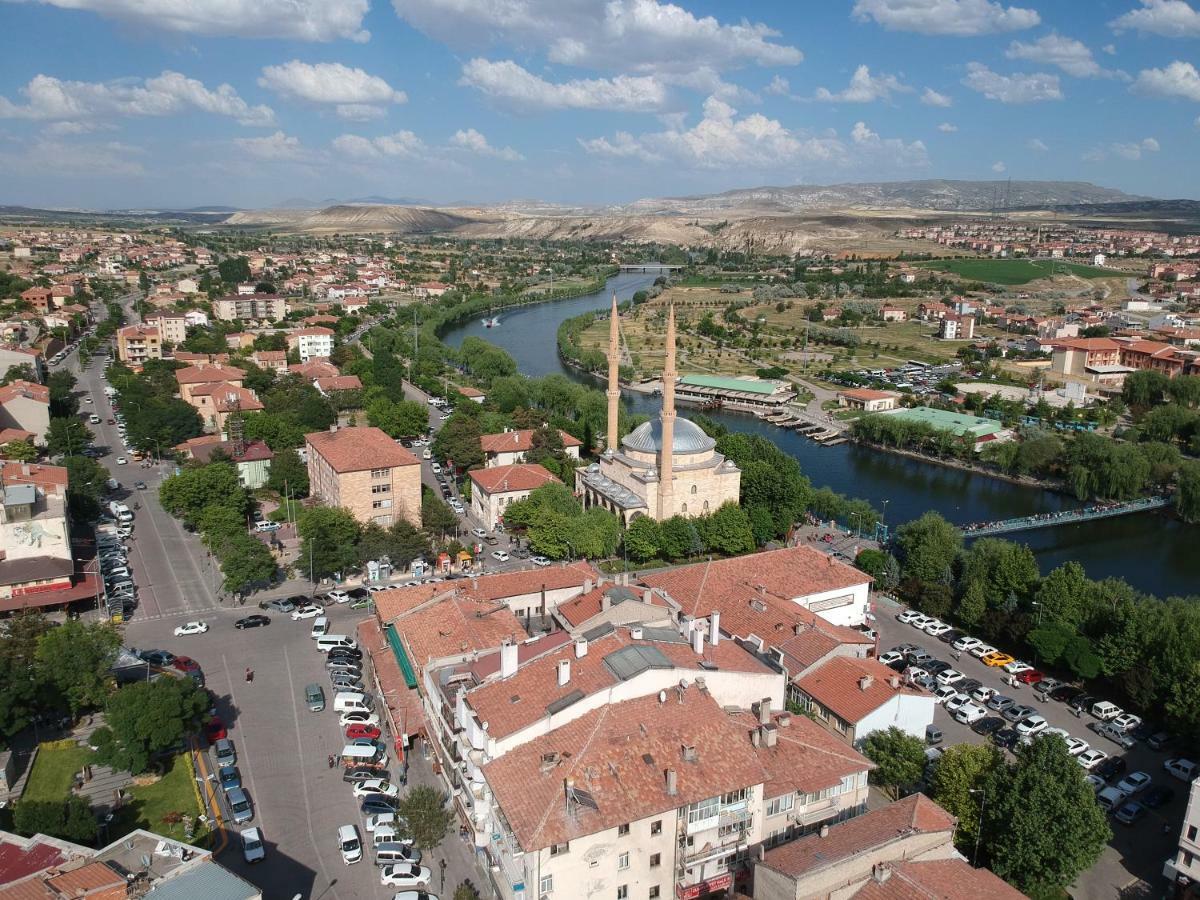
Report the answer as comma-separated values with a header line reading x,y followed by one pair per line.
x,y
1152,551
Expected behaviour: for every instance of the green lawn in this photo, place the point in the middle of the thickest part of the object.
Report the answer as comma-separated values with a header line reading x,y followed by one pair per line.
x,y
54,771
174,793
1014,271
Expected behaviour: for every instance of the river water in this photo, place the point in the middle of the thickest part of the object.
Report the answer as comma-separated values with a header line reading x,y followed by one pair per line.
x,y
1152,551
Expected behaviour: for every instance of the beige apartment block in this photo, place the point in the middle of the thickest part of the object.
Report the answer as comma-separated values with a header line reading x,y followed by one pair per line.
x,y
138,343
366,472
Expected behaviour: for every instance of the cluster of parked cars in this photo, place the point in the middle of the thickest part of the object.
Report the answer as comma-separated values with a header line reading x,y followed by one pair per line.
x,y
112,557
1006,721
912,377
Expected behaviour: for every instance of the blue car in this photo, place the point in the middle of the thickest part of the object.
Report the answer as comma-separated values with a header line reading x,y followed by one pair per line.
x,y
230,778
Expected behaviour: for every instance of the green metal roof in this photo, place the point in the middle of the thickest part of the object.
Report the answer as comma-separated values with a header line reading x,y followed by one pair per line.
x,y
945,420
729,383
393,639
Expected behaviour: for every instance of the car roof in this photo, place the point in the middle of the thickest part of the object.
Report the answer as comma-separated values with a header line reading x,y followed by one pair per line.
x,y
345,832
251,833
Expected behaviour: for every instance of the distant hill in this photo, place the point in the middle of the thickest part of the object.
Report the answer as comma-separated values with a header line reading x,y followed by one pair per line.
x,y
354,218
200,216
371,200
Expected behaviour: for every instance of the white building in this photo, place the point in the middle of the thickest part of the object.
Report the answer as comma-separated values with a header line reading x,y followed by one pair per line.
x,y
1183,868
311,343
494,489
510,447
854,698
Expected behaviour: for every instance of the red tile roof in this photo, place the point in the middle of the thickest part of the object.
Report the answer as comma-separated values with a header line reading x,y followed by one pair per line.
x,y
872,831
455,626
359,449
19,859
26,389
403,703
32,473
205,373
317,367
867,394
502,479
519,441
805,757
854,688
1089,344
605,753
338,383
583,607
936,879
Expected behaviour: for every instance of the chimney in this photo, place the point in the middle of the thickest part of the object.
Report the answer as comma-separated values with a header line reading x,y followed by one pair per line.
x,y
672,782
770,735
587,586
824,832
333,429
784,720
635,632
714,628
564,671
829,559
698,642
865,682
764,711
605,601
894,681
648,596
580,648
881,872
508,660
689,753
756,738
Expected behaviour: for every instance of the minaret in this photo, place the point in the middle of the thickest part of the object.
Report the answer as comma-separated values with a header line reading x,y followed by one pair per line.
x,y
614,378
666,471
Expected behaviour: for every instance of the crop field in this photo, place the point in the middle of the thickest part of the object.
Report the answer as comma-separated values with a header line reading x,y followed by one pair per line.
x,y
1015,271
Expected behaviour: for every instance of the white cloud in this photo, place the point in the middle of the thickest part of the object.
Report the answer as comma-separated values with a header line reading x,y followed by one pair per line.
x,y
959,18
1070,55
932,98
778,86
1037,145
167,94
1179,79
522,90
473,141
277,146
68,160
1110,49
947,128
723,140
1166,18
864,88
303,20
1132,150
999,167
66,127
402,144
1019,88
639,36
355,94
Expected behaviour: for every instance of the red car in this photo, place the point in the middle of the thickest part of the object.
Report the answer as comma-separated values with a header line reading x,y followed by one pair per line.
x,y
186,664
214,730
1030,676
361,730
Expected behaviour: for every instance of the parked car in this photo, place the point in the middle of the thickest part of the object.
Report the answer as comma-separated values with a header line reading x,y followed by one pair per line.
x,y
1029,676
997,659
349,844
1158,796
983,694
190,628
308,611
966,643
375,786
1075,746
1130,813
254,621
1116,735
1065,693
229,777
982,650
891,658
355,774
1160,740
377,804
1178,767
1127,722
404,875
359,730
354,718
1045,686
1031,725
1091,758
1112,767
338,596
225,752
988,726
186,664
1000,703
970,713
1134,783
905,616
540,561
279,605
500,556
253,849
1016,667
949,676
1017,713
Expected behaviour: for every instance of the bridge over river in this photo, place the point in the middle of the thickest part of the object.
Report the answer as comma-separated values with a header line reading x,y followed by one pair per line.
x,y
1064,517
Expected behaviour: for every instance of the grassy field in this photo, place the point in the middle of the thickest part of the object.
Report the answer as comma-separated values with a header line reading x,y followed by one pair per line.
x,y
54,771
175,792
1014,271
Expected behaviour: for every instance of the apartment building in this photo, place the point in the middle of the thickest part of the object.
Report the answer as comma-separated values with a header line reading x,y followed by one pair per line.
x,y
249,307
366,472
216,401
1183,868
509,447
25,407
35,533
854,698
12,355
494,489
138,343
311,343
172,327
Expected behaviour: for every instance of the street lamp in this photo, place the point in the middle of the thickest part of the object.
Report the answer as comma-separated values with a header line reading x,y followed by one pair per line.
x,y
979,828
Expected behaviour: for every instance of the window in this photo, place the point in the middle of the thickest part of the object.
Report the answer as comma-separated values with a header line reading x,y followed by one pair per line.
x,y
735,796
653,892
623,830
656,826
781,804
559,849
381,504
706,506
380,473
655,860
693,489
547,885
623,892
623,862
705,809
684,510
1191,832
381,488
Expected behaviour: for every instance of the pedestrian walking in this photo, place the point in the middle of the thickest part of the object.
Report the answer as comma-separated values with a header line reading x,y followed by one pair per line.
x,y
442,866
249,675
331,761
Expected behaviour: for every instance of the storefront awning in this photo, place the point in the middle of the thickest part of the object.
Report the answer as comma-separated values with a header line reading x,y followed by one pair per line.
x,y
393,639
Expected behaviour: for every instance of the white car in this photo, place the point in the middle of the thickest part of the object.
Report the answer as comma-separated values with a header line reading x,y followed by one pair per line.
x,y
539,561
937,629
122,461
1133,783
436,468
1075,746
375,786
921,620
308,611
1016,667
981,650
380,821
500,556
1031,725
404,875
191,628
970,713
1127,721
944,693
338,596
966,643
907,616
479,533
376,588
955,701
949,676
983,694
253,849
357,717
350,844
1089,759
426,454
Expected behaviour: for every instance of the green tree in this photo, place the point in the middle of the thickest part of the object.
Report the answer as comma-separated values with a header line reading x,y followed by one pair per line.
x,y
728,530
1064,596
70,819
149,718
1145,388
426,813
196,488
1187,502
288,474
67,437
76,659
959,782
1042,826
928,547
245,562
20,451
459,441
63,401
678,537
436,515
642,539
87,483
899,759
21,683
992,571
881,566
234,270
328,539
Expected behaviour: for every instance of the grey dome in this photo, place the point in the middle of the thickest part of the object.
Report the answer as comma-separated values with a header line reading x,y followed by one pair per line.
x,y
688,438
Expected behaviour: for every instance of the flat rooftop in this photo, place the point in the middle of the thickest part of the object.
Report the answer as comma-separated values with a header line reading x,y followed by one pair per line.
x,y
944,420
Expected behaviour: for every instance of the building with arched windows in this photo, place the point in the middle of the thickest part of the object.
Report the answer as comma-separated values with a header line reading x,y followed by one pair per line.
x,y
664,467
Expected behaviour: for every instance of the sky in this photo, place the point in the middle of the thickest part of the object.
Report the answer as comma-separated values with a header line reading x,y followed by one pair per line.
x,y
251,103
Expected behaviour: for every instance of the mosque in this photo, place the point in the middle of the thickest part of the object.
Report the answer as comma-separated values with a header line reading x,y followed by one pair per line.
x,y
664,467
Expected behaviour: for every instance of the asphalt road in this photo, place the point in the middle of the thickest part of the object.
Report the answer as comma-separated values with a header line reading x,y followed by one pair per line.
x,y
1135,853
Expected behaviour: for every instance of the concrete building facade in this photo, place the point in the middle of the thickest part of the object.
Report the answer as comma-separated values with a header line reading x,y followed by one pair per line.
x,y
366,472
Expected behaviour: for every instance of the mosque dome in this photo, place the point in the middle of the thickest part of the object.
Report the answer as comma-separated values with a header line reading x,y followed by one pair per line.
x,y
688,438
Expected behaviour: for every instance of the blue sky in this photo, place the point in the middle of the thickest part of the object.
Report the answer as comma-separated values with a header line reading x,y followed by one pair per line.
x,y
137,103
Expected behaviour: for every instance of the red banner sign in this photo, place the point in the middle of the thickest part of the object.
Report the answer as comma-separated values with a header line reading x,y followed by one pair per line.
x,y
692,891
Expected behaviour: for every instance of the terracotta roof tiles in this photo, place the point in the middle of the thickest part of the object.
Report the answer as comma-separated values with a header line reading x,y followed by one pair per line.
x,y
359,449
936,879
519,440
519,477
854,688
805,758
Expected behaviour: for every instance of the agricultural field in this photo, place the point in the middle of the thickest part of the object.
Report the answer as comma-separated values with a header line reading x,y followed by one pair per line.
x,y
1015,271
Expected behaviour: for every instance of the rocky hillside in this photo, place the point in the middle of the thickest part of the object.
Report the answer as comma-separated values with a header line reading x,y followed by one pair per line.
x,y
367,218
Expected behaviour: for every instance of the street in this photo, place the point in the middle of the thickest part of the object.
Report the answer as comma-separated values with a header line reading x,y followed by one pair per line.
x,y
1135,853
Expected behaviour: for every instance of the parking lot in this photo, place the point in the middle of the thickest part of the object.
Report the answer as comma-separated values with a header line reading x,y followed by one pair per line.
x,y
1136,853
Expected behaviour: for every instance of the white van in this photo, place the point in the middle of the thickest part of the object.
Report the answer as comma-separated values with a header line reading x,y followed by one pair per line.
x,y
1105,711
320,627
349,844
351,701
327,642
362,755
1110,798
391,854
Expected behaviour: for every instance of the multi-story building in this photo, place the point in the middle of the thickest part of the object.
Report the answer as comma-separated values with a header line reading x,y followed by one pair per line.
x,y
193,378
13,356
493,490
854,698
366,472
249,307
172,327
35,533
311,343
25,407
216,401
1183,869
510,447
138,343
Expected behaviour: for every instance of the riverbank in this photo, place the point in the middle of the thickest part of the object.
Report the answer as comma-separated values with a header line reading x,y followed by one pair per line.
x,y
1023,480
